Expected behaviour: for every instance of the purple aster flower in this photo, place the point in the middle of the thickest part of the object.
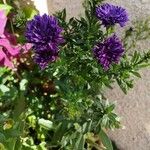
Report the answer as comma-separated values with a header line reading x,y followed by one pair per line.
x,y
111,15
45,35
44,57
109,51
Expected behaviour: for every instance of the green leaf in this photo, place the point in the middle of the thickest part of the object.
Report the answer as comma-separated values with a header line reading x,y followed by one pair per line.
x,y
23,84
2,147
122,86
110,108
6,8
2,137
110,30
136,74
60,131
2,118
105,140
135,57
42,146
4,88
63,14
78,144
12,133
87,127
143,65
47,124
8,124
105,120
30,12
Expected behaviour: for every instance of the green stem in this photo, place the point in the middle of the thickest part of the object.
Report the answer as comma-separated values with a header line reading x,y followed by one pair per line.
x,y
18,117
12,28
20,107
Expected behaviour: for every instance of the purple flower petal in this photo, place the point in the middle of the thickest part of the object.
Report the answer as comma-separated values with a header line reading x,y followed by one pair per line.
x,y
3,20
108,52
45,35
111,15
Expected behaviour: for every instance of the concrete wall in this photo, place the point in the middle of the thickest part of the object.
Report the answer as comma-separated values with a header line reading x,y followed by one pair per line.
x,y
134,107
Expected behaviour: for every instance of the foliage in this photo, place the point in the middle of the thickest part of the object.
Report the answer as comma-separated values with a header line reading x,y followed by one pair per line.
x,y
63,106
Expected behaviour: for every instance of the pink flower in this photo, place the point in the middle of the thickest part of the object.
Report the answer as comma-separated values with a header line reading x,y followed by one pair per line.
x,y
9,49
7,53
3,21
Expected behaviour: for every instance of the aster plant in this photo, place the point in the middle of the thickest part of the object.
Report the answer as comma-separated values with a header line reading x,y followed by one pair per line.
x,y
54,98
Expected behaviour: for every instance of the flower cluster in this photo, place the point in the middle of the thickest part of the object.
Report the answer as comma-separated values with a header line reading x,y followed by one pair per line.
x,y
110,15
45,35
111,50
9,48
108,51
